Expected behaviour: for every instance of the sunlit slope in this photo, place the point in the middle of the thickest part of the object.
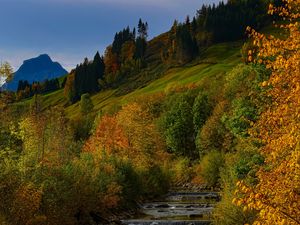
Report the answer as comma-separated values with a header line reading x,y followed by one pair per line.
x,y
207,70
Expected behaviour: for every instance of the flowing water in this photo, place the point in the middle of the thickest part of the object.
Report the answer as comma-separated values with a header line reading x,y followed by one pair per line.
x,y
177,208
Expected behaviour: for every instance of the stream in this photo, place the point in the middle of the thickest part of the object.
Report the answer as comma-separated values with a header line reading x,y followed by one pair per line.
x,y
177,208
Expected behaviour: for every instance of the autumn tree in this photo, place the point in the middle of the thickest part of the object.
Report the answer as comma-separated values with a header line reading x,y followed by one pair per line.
x,y
212,134
144,139
111,65
6,72
276,196
26,204
69,89
108,137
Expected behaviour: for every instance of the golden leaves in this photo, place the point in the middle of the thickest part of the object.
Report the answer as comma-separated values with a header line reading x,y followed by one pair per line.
x,y
276,196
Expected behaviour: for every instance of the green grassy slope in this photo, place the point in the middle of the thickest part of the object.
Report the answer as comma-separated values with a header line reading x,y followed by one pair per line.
x,y
214,62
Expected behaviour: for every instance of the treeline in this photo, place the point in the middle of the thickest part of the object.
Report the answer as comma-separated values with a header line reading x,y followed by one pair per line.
x,y
26,90
125,56
213,24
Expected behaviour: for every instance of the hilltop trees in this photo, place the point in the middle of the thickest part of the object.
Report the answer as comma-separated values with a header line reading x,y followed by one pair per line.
x,y
85,78
124,57
212,24
227,22
182,45
88,74
141,40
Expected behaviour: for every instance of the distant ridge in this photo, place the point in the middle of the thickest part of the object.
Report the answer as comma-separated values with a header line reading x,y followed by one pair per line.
x,y
36,69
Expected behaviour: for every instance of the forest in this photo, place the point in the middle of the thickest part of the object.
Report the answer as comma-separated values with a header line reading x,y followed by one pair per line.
x,y
236,130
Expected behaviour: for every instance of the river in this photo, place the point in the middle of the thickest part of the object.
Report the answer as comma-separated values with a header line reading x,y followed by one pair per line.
x,y
177,208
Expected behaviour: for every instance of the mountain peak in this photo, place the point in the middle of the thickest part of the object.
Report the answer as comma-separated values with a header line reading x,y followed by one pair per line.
x,y
44,56
39,68
40,58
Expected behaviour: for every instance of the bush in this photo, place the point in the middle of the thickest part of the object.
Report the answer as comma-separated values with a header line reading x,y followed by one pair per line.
x,y
225,212
86,104
155,181
81,127
210,167
212,135
130,181
181,171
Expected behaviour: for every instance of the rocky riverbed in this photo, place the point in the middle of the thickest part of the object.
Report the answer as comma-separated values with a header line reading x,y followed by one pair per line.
x,y
181,206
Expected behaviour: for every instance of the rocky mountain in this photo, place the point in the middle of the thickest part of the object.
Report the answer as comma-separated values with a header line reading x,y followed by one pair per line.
x,y
36,69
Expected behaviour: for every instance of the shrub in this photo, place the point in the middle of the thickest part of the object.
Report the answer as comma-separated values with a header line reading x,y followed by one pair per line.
x,y
155,181
210,167
212,135
181,171
225,212
86,104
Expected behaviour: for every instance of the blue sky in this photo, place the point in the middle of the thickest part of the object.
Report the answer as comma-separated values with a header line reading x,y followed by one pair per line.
x,y
69,30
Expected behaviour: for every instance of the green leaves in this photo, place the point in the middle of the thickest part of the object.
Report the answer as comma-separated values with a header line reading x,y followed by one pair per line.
x,y
179,128
201,111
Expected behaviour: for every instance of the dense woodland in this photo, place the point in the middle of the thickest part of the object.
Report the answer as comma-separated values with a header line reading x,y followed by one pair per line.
x,y
238,131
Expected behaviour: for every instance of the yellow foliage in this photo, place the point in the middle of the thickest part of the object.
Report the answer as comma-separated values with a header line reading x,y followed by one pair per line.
x,y
277,195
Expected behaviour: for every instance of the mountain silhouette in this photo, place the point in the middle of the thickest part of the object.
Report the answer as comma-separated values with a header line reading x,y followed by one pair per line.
x,y
36,69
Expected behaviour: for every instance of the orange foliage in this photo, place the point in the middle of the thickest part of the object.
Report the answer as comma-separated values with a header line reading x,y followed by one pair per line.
x,y
111,61
112,198
128,51
130,134
277,195
26,204
109,136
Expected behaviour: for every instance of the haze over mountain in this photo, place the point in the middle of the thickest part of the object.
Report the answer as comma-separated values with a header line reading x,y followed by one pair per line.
x,y
36,69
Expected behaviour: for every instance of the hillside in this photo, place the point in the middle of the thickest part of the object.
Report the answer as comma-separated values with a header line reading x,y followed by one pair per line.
x,y
208,69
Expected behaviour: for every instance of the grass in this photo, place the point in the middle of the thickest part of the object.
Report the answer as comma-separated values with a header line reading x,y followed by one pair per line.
x,y
208,69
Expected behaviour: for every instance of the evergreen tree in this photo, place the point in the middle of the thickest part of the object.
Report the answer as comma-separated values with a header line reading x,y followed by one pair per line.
x,y
98,71
141,40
